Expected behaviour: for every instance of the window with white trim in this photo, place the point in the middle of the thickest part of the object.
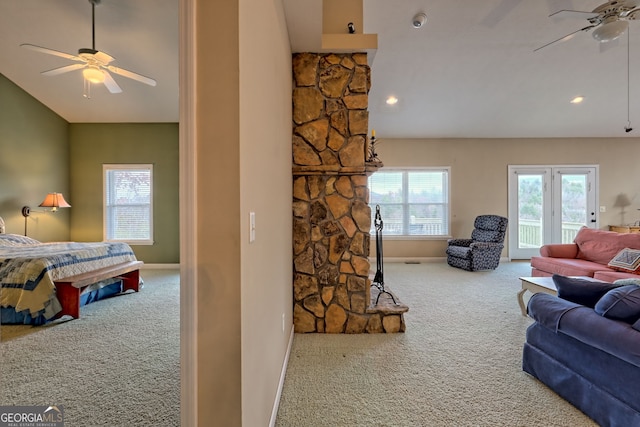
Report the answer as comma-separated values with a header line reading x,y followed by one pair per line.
x,y
413,202
128,203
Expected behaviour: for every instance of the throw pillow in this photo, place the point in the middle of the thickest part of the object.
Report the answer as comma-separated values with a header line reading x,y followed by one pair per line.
x,y
627,260
622,282
622,303
581,291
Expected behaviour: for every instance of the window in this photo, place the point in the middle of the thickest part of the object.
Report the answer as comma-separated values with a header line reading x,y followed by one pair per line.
x,y
128,203
413,202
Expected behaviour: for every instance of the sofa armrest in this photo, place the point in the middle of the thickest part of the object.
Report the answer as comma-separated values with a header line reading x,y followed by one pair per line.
x,y
460,242
548,309
559,250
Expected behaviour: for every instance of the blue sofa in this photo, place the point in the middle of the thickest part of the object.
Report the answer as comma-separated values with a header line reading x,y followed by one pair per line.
x,y
590,360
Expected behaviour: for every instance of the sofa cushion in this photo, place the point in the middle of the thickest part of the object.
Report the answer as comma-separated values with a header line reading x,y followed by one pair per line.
x,y
622,303
601,246
627,260
567,266
581,291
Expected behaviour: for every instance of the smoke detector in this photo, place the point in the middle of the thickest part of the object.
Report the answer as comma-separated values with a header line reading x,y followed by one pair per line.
x,y
419,20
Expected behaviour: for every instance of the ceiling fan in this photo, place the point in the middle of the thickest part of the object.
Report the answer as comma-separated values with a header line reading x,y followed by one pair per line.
x,y
95,64
608,21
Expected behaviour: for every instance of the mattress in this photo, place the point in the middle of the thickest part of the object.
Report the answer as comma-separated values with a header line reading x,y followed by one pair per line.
x,y
29,268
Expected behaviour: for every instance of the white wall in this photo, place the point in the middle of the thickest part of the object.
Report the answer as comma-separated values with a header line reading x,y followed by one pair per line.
x,y
242,132
266,189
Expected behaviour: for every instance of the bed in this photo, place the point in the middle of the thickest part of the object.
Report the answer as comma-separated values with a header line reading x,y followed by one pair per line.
x,y
40,282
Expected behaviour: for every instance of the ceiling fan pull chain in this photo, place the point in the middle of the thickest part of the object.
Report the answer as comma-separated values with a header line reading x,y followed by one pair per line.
x,y
87,88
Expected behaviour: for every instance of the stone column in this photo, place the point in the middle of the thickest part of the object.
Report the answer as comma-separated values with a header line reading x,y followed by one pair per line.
x,y
331,215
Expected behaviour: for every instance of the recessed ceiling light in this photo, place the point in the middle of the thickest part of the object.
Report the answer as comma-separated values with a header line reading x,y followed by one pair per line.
x,y
392,100
577,100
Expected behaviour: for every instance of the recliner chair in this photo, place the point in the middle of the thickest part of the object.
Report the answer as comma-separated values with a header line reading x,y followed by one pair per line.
x,y
482,251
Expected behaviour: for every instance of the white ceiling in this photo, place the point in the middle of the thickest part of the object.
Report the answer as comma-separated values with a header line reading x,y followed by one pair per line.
x,y
469,72
142,36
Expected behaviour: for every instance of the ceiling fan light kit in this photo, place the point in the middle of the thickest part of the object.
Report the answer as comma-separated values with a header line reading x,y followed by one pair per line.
x,y
95,64
610,30
93,74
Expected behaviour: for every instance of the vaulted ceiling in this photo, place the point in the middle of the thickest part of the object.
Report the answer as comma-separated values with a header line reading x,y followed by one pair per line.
x,y
470,71
142,36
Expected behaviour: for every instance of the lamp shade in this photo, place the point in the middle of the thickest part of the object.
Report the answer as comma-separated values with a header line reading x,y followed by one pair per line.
x,y
622,201
54,201
610,30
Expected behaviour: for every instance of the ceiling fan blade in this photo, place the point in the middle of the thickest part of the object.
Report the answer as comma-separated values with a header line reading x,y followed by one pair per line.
x,y
51,51
564,13
60,70
565,38
103,58
131,75
111,84
633,15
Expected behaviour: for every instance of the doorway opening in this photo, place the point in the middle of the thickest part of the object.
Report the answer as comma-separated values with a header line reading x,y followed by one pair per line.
x,y
549,204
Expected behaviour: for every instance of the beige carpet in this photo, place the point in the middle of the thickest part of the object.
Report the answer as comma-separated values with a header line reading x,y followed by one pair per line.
x,y
458,364
118,365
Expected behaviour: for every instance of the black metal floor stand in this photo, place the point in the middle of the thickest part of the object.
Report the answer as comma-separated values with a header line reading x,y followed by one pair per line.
x,y
378,279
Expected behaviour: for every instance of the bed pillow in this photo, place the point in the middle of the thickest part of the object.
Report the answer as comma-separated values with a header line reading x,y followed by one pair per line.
x,y
627,260
622,303
581,291
16,240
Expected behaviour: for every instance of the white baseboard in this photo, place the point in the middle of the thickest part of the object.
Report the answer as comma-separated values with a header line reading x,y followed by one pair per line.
x,y
283,372
420,260
146,266
410,260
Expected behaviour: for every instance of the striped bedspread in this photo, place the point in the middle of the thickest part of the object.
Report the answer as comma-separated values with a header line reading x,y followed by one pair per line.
x,y
29,268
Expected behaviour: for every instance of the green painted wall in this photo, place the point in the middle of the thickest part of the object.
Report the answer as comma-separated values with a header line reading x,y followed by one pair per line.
x,y
34,161
94,144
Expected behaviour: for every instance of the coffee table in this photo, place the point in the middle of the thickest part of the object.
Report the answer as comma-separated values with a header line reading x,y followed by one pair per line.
x,y
535,285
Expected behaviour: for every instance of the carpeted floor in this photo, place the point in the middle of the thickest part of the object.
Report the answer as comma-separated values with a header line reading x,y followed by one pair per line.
x,y
457,364
118,365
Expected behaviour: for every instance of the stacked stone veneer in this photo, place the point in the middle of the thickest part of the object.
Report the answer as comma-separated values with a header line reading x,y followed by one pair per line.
x,y
331,215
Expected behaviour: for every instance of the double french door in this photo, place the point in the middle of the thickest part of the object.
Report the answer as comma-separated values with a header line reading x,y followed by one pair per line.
x,y
549,204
